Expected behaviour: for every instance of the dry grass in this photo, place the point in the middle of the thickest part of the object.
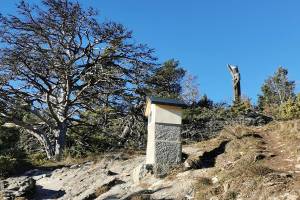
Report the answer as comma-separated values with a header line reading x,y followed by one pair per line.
x,y
139,197
230,195
68,160
203,188
174,170
203,182
1,196
101,190
245,170
144,185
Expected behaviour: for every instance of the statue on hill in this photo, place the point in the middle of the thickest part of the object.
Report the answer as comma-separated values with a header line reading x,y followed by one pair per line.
x,y
234,71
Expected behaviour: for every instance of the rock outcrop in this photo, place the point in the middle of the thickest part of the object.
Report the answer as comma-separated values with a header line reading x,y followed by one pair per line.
x,y
13,188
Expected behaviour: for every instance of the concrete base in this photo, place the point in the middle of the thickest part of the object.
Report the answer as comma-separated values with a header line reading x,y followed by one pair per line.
x,y
164,147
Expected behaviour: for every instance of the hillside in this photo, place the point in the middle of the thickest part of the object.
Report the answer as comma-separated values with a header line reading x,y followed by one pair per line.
x,y
241,163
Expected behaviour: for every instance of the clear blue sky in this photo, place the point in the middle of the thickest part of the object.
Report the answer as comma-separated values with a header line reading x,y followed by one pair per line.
x,y
256,35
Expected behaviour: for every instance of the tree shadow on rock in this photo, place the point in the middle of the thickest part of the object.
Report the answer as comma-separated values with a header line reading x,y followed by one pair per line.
x,y
42,193
208,159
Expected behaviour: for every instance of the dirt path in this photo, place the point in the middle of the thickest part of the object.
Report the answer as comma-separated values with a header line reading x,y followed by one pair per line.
x,y
281,157
283,147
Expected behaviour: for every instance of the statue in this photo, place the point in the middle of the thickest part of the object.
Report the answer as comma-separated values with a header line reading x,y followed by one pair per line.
x,y
234,70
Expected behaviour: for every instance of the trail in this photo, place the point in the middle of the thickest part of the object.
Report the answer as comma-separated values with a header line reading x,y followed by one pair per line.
x,y
284,147
282,159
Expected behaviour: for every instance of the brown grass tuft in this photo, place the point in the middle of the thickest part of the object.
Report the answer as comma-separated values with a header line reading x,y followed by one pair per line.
x,y
101,190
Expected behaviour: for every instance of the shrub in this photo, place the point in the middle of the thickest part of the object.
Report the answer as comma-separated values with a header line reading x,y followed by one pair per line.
x,y
290,109
241,107
9,138
202,122
38,158
80,144
13,157
7,165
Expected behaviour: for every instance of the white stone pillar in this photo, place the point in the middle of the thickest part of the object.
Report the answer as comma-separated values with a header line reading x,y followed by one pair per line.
x,y
164,147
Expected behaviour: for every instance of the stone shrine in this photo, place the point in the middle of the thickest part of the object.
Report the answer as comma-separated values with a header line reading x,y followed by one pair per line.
x,y
164,147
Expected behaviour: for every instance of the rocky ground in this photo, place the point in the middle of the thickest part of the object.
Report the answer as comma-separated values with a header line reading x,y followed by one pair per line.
x,y
241,163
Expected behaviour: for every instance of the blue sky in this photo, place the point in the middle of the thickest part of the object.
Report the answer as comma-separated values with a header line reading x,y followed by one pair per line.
x,y
205,36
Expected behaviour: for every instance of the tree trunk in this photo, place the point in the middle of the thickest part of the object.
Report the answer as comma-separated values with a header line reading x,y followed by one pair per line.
x,y
53,151
45,142
60,141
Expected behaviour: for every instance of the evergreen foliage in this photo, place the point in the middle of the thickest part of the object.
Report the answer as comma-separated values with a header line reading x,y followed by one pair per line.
x,y
241,107
12,156
166,80
7,165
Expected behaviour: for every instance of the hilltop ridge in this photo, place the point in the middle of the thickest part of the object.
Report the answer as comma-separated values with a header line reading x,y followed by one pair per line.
x,y
241,163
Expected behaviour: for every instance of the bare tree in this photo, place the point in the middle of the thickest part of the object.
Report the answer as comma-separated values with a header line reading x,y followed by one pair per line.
x,y
57,62
190,89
